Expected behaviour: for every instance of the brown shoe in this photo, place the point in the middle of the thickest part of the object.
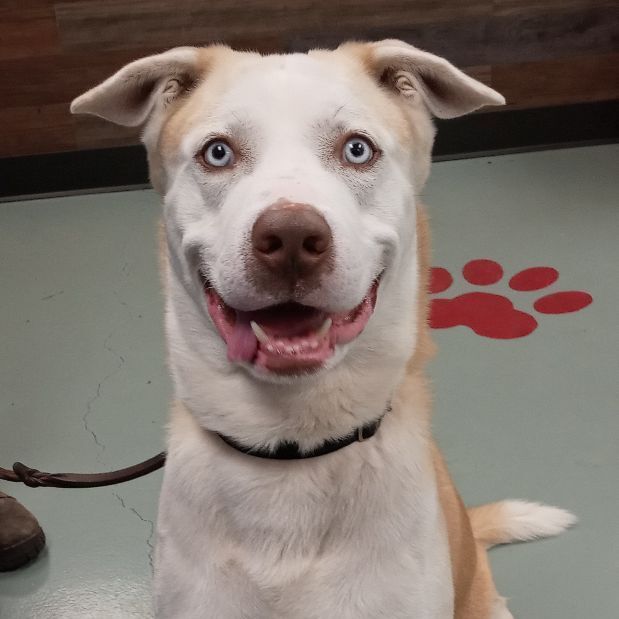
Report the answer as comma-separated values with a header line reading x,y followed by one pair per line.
x,y
21,537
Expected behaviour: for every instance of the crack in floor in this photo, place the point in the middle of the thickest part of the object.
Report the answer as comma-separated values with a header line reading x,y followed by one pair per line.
x,y
89,404
147,521
51,296
87,414
121,361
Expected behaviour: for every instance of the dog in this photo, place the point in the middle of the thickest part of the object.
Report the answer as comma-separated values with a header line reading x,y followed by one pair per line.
x,y
302,480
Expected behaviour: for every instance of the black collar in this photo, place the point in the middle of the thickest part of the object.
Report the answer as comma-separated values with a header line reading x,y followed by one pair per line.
x,y
290,450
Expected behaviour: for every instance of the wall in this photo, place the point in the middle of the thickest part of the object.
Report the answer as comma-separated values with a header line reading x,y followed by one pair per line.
x,y
536,52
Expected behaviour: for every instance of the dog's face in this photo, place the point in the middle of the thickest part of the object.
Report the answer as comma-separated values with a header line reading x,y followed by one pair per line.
x,y
289,186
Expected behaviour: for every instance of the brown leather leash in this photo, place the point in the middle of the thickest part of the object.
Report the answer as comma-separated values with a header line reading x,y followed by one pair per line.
x,y
36,479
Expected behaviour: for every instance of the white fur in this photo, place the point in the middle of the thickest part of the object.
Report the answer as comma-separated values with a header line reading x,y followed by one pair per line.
x,y
341,536
512,520
357,534
525,520
347,535
208,222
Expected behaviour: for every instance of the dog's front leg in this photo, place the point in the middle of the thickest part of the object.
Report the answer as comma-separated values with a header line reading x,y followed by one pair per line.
x,y
193,577
184,590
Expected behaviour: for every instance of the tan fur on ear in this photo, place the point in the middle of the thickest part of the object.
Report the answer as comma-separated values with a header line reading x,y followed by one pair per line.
x,y
445,90
128,97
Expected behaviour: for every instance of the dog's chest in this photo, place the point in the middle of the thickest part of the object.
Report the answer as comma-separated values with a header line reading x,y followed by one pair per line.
x,y
345,536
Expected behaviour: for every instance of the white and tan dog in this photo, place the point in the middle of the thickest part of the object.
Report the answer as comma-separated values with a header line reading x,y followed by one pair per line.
x,y
296,268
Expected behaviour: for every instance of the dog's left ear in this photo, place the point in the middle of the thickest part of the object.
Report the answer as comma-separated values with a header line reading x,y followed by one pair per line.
x,y
446,91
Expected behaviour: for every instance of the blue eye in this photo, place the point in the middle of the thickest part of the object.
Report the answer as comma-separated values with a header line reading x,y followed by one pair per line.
x,y
218,154
358,151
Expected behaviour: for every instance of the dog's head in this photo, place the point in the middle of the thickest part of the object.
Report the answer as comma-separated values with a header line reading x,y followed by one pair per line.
x,y
289,186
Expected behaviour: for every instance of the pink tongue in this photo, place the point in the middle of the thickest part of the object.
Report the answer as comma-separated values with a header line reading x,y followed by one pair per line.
x,y
288,320
242,343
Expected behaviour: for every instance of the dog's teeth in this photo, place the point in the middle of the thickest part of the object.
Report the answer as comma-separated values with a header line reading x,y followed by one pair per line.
x,y
313,344
326,325
270,348
290,350
261,336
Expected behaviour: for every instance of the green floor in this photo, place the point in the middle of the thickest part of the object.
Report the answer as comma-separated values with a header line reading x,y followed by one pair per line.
x,y
85,387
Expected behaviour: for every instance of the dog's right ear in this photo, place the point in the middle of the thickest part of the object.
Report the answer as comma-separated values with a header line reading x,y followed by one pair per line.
x,y
129,96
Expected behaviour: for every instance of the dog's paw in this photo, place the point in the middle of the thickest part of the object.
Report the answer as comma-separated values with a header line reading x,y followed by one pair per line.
x,y
494,315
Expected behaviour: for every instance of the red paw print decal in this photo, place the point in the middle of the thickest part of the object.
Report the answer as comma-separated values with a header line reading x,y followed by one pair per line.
x,y
494,315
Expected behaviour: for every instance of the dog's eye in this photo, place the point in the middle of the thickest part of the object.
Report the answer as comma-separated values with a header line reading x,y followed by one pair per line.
x,y
358,151
218,154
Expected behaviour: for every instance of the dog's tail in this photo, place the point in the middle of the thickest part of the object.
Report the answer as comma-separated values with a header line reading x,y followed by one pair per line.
x,y
517,521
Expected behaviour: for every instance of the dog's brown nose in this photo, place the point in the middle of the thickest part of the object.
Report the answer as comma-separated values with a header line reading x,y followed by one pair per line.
x,y
293,241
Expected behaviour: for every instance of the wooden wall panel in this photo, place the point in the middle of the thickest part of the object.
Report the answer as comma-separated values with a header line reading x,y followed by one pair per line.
x,y
544,35
514,7
572,80
89,130
495,39
536,52
27,29
30,129
463,41
152,22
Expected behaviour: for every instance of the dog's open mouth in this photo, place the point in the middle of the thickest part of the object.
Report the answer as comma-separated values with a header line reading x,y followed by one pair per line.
x,y
289,338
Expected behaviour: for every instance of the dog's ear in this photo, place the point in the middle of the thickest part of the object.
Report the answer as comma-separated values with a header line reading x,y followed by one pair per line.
x,y
446,91
129,96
